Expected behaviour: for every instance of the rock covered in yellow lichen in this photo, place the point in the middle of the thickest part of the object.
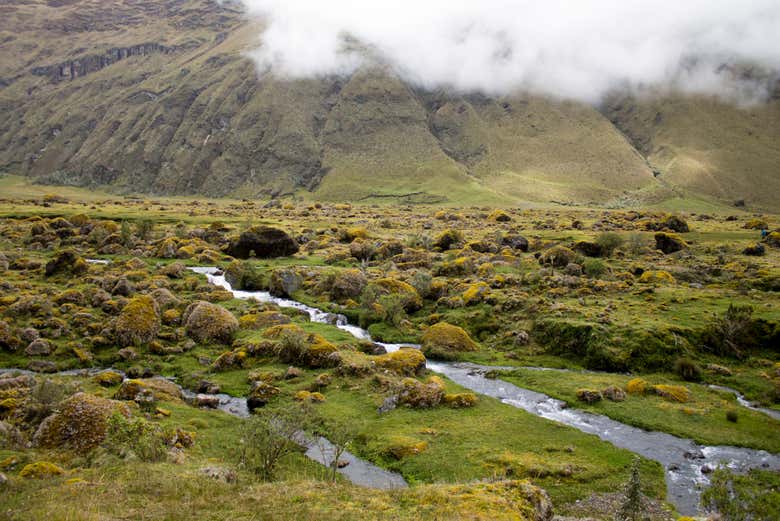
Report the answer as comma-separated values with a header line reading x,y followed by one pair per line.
x,y
138,323
445,341
41,470
207,322
80,424
405,362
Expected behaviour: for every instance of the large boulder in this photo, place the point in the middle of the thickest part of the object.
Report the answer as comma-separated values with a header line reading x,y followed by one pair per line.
x,y
66,262
264,242
284,282
348,284
81,423
138,323
404,291
207,322
557,256
669,242
445,341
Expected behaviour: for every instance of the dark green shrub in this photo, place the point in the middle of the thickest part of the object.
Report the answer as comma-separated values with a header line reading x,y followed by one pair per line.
x,y
608,242
732,416
687,369
594,268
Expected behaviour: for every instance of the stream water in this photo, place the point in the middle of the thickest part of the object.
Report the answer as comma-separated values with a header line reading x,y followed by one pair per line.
x,y
686,462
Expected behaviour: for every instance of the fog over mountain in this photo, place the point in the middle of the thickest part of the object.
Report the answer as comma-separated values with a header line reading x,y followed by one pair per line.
x,y
576,50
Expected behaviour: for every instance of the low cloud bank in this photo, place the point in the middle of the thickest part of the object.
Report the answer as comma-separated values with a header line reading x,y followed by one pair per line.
x,y
568,49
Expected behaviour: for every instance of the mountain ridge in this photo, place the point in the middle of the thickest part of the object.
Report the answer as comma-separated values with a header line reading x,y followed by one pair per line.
x,y
160,97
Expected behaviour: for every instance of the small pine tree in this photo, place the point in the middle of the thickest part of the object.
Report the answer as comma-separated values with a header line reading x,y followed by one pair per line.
x,y
632,508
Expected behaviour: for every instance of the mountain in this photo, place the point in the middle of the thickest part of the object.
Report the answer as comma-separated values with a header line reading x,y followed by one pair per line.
x,y
159,96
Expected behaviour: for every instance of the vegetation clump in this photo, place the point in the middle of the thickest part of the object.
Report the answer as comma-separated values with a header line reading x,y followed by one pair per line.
x,y
656,277
406,362
206,322
419,395
557,256
80,424
41,470
446,342
138,323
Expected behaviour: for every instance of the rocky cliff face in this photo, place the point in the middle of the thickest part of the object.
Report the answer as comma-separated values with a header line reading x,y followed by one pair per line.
x,y
158,96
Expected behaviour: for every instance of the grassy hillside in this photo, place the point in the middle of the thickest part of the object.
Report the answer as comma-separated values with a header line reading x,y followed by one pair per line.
x,y
160,97
706,146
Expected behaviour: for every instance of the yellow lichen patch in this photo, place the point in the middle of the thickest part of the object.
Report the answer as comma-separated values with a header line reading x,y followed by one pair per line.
x,y
656,277
460,400
445,341
262,320
637,386
402,447
107,378
406,362
41,470
307,396
475,293
675,393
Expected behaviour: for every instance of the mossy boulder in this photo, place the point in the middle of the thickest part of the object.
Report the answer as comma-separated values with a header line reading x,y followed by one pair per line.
x,y
557,256
163,390
244,276
80,424
448,239
260,394
499,216
263,242
348,284
410,299
421,395
405,362
108,378
284,282
445,341
296,346
206,322
66,262
669,242
138,323
516,242
589,395
773,239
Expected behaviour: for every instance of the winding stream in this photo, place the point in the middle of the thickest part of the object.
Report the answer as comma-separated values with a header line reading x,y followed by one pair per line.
x,y
685,461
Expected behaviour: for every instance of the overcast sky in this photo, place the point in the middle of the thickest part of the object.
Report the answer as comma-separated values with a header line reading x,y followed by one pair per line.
x,y
567,48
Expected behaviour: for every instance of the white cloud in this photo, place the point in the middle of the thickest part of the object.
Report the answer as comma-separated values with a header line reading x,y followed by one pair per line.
x,y
568,48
